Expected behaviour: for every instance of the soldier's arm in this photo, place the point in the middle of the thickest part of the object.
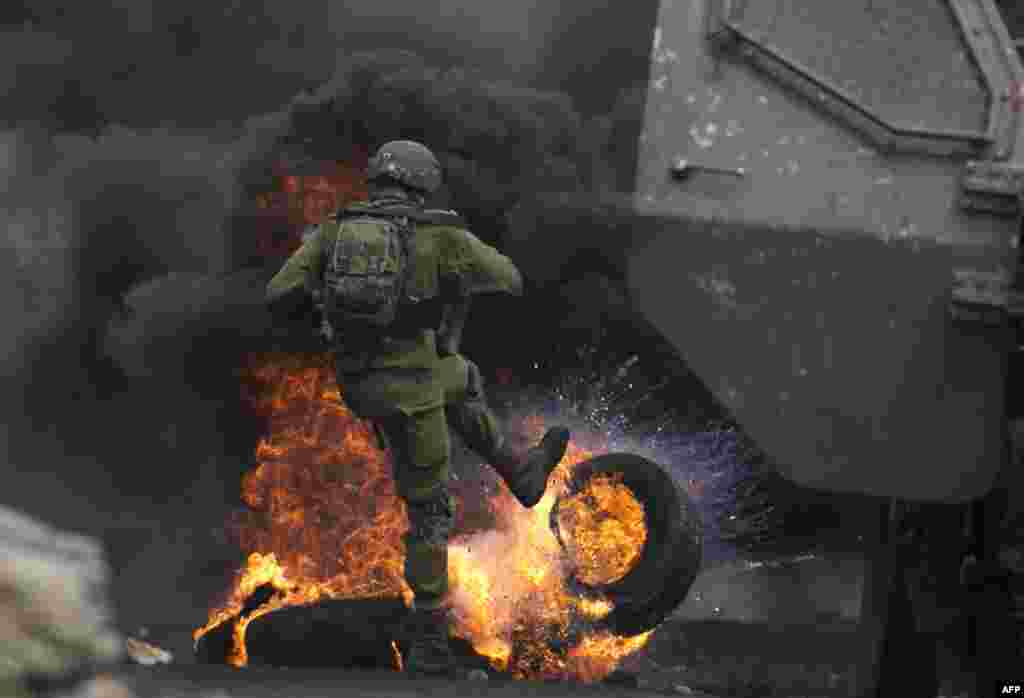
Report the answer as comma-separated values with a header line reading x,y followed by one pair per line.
x,y
475,267
470,266
290,292
452,324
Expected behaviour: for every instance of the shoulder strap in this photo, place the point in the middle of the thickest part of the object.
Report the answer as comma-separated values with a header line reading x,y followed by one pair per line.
x,y
439,217
428,216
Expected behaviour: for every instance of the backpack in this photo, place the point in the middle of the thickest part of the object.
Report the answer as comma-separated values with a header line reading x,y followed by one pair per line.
x,y
366,273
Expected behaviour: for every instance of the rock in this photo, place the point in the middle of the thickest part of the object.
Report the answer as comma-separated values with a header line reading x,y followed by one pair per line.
x,y
146,654
57,619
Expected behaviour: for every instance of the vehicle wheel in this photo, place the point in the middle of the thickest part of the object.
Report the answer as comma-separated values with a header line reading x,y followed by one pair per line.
x,y
671,555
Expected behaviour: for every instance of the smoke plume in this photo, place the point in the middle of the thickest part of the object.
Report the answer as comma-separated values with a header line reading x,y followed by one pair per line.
x,y
133,138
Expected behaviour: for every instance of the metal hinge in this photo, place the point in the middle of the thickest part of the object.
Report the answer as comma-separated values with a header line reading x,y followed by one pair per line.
x,y
992,187
985,297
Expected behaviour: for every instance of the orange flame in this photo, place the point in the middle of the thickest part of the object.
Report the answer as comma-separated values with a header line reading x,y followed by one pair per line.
x,y
305,200
324,511
510,592
604,529
327,524
324,521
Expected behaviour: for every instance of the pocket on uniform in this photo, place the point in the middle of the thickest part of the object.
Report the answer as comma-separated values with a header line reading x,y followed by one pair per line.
x,y
453,375
429,441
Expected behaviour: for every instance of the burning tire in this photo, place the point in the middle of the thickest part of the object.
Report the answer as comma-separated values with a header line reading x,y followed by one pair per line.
x,y
670,556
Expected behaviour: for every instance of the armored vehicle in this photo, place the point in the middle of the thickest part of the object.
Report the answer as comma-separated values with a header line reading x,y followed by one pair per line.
x,y
826,225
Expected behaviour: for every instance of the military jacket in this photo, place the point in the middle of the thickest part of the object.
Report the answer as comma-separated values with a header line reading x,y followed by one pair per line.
x,y
444,255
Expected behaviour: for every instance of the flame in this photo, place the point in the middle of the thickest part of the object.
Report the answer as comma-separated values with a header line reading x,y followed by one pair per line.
x,y
510,591
604,530
396,656
300,201
322,505
325,522
597,655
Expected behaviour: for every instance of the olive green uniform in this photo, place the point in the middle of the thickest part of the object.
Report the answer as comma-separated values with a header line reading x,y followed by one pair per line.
x,y
405,387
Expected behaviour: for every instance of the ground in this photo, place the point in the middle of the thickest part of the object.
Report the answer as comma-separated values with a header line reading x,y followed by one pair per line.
x,y
195,681
720,658
775,634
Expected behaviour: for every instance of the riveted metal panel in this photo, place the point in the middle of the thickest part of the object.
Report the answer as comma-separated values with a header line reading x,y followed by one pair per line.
x,y
812,292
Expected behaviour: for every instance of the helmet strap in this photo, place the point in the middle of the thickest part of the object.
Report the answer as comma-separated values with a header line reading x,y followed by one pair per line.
x,y
394,191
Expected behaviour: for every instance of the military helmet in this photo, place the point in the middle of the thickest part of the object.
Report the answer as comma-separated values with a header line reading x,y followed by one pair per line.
x,y
409,163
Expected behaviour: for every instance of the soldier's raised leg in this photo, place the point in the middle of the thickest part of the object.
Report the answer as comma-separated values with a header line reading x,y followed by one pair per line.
x,y
472,419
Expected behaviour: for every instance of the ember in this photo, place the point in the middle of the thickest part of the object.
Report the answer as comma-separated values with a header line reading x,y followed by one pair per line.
x,y
324,522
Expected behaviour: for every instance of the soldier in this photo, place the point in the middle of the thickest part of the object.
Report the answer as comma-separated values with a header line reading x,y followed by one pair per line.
x,y
393,282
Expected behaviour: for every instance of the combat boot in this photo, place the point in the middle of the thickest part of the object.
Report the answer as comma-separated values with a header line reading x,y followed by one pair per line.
x,y
429,653
527,475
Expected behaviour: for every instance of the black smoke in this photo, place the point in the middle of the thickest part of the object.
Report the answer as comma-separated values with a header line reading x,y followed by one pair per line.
x,y
502,145
76,66
133,137
79,66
